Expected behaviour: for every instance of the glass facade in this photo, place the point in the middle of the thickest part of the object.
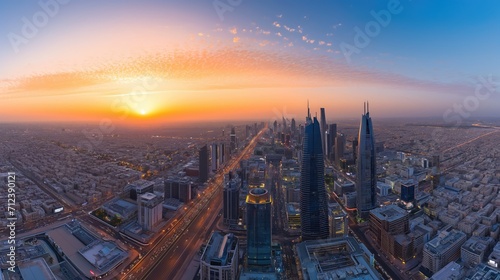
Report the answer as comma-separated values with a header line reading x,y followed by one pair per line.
x,y
259,228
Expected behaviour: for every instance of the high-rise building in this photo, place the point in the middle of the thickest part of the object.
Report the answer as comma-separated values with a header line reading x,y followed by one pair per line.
x,y
408,192
233,144
259,227
178,188
231,200
339,222
203,157
390,226
293,127
366,184
339,148
444,248
220,258
149,208
332,133
139,187
215,157
313,198
323,129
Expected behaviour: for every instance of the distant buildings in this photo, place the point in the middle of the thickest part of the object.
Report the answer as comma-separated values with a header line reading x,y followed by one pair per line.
x,y
473,251
366,185
220,258
313,198
259,227
149,212
178,188
443,249
233,141
204,164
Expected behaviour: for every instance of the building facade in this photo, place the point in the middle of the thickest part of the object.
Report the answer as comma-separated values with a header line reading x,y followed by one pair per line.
x,y
259,227
366,184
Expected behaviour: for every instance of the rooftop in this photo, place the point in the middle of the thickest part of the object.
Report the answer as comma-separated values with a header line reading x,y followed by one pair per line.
x,y
389,213
220,249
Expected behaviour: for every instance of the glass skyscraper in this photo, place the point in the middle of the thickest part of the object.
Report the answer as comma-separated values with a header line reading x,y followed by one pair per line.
x,y
366,183
313,198
259,230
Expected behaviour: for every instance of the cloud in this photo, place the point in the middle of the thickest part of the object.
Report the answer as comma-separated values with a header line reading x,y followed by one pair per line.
x,y
232,66
276,24
233,31
236,39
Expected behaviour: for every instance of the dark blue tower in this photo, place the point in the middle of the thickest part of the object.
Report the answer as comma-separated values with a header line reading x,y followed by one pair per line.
x,y
313,198
366,183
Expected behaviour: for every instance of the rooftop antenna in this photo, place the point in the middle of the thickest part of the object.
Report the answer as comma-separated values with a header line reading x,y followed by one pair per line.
x,y
364,108
367,107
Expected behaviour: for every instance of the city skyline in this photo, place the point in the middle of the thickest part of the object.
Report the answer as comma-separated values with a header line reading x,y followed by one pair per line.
x,y
140,64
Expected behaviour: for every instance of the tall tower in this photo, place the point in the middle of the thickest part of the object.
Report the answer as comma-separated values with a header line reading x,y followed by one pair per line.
x,y
259,227
313,199
323,129
233,140
231,200
215,157
366,179
203,158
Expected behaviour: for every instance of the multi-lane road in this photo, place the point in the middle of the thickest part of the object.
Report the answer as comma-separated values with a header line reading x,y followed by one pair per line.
x,y
172,252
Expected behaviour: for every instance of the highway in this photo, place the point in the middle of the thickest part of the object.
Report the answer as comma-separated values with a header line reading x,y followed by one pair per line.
x,y
183,240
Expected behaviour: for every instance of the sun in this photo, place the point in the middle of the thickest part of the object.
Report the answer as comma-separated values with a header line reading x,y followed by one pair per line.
x,y
143,112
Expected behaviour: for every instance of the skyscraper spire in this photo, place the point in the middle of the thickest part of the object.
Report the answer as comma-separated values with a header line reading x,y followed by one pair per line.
x,y
308,118
367,107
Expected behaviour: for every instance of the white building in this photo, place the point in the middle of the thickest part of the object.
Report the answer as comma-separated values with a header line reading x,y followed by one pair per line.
x,y
149,210
220,258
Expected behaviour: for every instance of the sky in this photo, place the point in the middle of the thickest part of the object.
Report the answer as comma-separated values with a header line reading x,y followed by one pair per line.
x,y
138,62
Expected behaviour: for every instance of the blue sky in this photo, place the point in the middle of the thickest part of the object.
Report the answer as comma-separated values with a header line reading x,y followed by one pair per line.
x,y
433,50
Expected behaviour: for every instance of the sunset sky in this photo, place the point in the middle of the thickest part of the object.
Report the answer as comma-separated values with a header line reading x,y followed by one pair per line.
x,y
184,60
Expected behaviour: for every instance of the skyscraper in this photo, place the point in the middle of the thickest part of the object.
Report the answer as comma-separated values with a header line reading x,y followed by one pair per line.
x,y
332,132
215,157
355,149
323,129
203,158
339,148
233,144
231,200
259,227
366,183
313,199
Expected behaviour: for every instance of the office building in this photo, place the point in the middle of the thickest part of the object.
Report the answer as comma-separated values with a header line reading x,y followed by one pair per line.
x,y
233,143
140,187
313,198
366,184
204,165
390,226
231,200
443,249
220,258
473,250
408,192
339,222
323,129
149,210
215,157
259,227
335,258
178,188
339,148
332,133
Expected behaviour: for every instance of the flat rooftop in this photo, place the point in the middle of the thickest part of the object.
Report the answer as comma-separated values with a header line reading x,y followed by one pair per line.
x,y
36,269
220,249
444,240
336,258
142,184
389,213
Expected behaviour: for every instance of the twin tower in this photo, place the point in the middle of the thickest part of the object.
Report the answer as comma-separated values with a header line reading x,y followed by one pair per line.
x,y
313,196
